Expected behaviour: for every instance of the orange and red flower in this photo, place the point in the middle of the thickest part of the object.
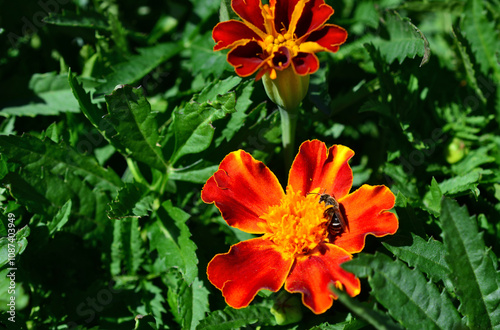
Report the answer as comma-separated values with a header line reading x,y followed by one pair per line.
x,y
279,35
296,248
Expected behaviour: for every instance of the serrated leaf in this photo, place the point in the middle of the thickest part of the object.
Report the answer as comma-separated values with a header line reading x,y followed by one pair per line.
x,y
70,19
132,201
136,127
52,96
193,124
188,303
483,36
426,256
170,236
473,273
138,66
230,318
409,298
405,40
60,218
126,250
45,174
374,317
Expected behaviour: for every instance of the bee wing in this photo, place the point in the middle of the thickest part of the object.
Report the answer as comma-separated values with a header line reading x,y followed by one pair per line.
x,y
342,221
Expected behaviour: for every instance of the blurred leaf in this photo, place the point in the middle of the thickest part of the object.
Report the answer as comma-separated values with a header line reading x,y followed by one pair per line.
x,y
407,295
194,176
170,236
374,317
483,36
405,40
472,272
61,218
230,318
193,124
126,249
21,296
132,201
138,66
136,127
426,256
70,19
18,242
145,322
52,96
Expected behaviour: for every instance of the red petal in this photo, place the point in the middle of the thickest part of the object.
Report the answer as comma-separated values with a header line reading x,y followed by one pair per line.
x,y
315,14
364,210
231,33
283,14
305,63
246,59
315,167
250,11
313,274
248,267
243,189
330,37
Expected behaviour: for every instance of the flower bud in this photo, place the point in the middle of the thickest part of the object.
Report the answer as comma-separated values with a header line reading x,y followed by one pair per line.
x,y
456,151
287,308
287,89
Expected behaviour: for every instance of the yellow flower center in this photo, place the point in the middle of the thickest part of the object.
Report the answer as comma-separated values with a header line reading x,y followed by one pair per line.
x,y
273,44
297,225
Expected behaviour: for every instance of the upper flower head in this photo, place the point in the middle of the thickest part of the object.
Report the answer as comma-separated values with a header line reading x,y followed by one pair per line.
x,y
275,36
298,248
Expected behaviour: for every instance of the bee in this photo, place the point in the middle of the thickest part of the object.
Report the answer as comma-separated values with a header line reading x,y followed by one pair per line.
x,y
336,223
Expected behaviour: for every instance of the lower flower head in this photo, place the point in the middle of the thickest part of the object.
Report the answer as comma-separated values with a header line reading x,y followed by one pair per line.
x,y
303,243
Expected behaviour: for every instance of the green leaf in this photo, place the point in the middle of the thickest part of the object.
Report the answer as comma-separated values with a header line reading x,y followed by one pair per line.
x,y
126,249
473,273
409,298
70,19
374,317
138,66
132,201
194,176
432,200
136,127
193,124
230,318
61,218
188,303
45,175
170,236
483,36
18,243
426,256
52,96
406,40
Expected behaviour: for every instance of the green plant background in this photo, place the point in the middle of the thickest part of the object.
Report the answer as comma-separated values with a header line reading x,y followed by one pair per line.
x,y
104,180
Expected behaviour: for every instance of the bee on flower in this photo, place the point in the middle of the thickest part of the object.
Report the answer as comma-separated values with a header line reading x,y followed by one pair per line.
x,y
296,249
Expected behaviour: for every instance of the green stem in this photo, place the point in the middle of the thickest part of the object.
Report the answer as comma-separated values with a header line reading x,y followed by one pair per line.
x,y
288,125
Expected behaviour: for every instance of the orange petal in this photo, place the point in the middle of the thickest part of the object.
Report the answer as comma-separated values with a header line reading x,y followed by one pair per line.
x,y
312,275
248,267
330,37
316,168
232,33
364,210
243,189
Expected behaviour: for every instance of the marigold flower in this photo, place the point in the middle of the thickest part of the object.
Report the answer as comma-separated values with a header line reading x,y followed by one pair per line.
x,y
276,36
297,248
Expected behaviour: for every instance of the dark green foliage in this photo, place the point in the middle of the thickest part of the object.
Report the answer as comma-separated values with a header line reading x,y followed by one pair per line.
x,y
115,113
